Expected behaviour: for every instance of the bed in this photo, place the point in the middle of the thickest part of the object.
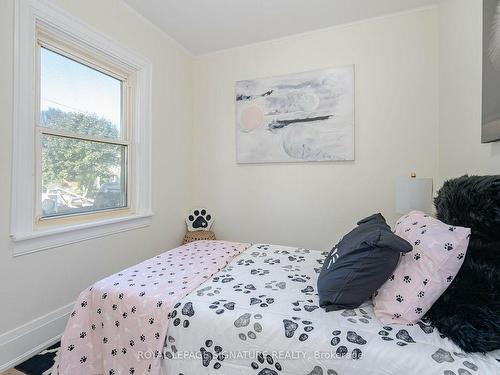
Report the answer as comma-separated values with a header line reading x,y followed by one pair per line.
x,y
260,315
215,307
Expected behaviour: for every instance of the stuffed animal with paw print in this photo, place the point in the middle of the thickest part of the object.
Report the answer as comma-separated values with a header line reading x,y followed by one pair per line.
x,y
199,219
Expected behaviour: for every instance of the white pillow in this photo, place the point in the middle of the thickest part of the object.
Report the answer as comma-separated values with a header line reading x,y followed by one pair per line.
x,y
424,273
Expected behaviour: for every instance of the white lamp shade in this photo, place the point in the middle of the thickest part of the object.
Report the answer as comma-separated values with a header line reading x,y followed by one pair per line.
x,y
414,194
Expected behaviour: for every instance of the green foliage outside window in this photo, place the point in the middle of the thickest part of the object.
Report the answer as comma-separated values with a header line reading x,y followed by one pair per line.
x,y
82,165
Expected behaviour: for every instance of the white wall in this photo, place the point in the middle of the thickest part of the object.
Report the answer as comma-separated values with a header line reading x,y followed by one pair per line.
x,y
460,69
37,284
313,204
418,90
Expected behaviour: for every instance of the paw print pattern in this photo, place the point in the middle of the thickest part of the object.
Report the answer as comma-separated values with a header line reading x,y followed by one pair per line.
x,y
291,326
417,256
282,252
407,279
224,278
208,355
245,262
266,365
449,279
400,298
299,278
187,310
272,261
291,268
448,246
307,305
354,338
208,290
245,289
258,254
169,348
262,301
463,364
308,290
403,338
244,321
275,285
441,356
117,307
351,337
220,306
296,258
353,316
199,219
259,272
460,256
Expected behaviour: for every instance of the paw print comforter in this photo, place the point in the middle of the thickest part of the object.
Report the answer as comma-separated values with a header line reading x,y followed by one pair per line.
x,y
260,315
119,324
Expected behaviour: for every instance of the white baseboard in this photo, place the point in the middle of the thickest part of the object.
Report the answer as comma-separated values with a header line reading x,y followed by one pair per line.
x,y
25,341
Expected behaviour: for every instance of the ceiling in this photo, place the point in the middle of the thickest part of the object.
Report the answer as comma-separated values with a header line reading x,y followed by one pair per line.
x,y
203,26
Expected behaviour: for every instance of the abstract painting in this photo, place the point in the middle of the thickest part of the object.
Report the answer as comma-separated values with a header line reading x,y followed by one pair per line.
x,y
491,71
299,117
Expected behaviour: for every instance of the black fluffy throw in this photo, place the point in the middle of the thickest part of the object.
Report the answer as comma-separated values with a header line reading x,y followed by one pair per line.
x,y
469,311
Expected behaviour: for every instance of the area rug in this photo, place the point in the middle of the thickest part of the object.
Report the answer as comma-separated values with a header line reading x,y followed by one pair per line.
x,y
40,364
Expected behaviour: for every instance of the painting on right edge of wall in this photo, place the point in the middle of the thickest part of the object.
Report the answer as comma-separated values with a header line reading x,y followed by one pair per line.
x,y
491,71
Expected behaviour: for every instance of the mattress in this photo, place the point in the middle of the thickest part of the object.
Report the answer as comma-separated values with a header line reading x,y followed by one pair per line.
x,y
260,315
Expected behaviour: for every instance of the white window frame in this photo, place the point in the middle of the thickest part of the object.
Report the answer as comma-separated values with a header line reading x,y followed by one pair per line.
x,y
27,233
48,40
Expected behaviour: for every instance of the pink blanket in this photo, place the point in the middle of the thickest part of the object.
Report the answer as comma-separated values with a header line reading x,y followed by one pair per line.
x,y
127,313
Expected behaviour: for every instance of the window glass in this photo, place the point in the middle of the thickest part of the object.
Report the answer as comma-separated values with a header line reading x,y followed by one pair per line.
x,y
81,176
77,98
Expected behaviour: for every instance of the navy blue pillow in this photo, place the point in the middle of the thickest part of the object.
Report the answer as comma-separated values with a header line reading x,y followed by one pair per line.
x,y
361,262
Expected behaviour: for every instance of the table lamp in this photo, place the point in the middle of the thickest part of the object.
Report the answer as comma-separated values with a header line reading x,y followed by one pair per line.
x,y
414,194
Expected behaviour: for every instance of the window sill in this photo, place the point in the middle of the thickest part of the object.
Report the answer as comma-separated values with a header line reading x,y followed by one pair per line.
x,y
27,243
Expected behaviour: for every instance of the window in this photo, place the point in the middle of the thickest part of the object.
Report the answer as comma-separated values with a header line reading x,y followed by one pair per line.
x,y
82,136
81,155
